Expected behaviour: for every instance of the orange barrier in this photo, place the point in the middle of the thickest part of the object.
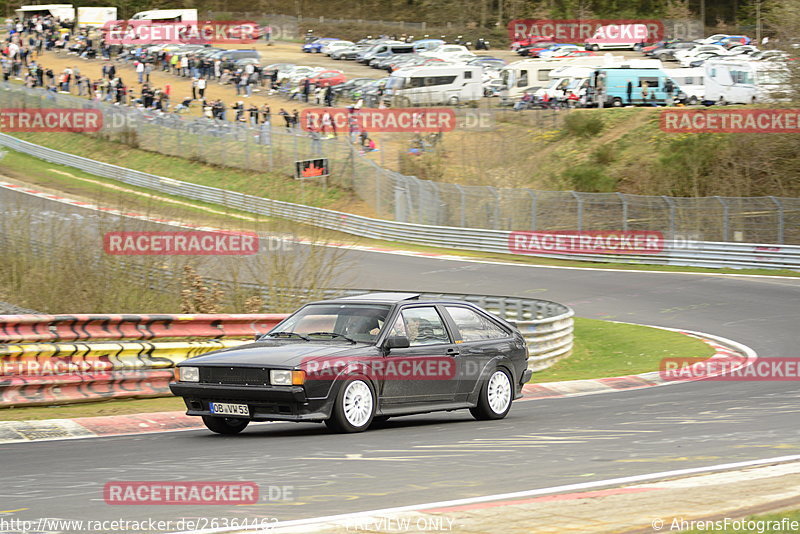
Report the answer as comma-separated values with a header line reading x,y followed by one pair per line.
x,y
83,387
32,328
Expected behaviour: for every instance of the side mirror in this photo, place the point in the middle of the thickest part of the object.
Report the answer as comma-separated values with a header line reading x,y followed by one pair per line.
x,y
397,342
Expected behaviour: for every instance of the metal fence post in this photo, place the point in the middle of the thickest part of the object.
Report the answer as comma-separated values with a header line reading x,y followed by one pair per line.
x,y
579,200
671,205
725,218
780,218
496,206
463,204
624,200
533,209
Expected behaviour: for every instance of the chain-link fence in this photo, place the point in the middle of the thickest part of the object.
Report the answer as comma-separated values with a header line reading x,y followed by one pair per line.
x,y
393,196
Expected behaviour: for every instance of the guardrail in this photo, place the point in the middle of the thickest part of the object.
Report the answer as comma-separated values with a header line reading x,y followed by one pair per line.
x,y
28,328
701,253
63,373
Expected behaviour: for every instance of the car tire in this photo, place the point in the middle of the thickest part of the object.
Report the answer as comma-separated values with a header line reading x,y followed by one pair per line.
x,y
595,48
693,101
494,400
225,425
403,102
617,103
661,57
452,101
354,408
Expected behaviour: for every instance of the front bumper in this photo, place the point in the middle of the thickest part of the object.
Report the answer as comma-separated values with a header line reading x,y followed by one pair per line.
x,y
288,403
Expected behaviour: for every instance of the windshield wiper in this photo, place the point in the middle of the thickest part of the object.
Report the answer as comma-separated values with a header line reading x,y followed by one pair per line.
x,y
332,334
286,334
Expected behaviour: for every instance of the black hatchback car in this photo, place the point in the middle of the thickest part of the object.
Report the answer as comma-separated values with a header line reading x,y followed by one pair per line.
x,y
357,360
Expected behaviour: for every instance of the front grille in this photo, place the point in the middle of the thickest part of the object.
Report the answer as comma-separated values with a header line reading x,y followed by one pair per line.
x,y
235,376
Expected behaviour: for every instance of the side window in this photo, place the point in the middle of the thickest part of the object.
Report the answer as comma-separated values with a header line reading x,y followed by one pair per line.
x,y
544,75
523,78
422,326
474,326
468,75
652,82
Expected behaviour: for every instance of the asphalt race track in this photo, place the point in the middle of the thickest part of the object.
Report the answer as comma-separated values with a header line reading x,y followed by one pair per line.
x,y
432,457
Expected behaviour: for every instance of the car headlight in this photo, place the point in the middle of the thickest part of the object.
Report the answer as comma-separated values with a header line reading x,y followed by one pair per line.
x,y
287,378
280,378
189,374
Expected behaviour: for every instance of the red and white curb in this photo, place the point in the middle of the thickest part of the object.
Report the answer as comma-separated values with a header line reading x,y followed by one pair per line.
x,y
729,354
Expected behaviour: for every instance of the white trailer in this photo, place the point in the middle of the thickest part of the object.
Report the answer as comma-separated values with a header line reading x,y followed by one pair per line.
x,y
744,82
692,83
167,15
61,11
95,17
447,84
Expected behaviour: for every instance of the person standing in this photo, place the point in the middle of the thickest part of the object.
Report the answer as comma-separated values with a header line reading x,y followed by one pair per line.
x,y
194,88
630,92
201,88
140,71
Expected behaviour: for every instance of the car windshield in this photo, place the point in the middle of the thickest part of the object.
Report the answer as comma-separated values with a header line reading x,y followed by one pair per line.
x,y
359,322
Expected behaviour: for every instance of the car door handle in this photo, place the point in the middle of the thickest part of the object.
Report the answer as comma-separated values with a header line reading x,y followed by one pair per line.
x,y
452,352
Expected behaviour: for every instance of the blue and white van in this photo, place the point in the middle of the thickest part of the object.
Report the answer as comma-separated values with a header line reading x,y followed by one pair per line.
x,y
609,86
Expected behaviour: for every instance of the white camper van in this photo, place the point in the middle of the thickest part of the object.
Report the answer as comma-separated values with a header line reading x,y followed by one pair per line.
x,y
167,15
62,11
744,82
432,85
692,83
530,75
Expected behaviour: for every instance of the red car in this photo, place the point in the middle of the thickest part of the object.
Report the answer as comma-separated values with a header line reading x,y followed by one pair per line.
x,y
327,78
530,41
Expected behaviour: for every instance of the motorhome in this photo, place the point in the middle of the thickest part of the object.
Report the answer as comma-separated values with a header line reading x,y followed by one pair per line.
x,y
529,75
61,11
692,83
566,80
167,15
649,86
744,82
432,85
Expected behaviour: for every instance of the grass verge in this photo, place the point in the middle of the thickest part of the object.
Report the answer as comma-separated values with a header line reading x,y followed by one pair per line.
x,y
603,349
93,409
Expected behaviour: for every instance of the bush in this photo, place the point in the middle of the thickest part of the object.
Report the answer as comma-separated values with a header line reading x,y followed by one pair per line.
x,y
590,179
580,124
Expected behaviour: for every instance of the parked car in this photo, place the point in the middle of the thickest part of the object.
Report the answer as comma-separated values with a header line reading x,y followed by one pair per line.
x,y
667,51
349,53
327,78
493,87
488,62
346,89
557,50
316,45
531,41
331,46
355,361
529,51
686,56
